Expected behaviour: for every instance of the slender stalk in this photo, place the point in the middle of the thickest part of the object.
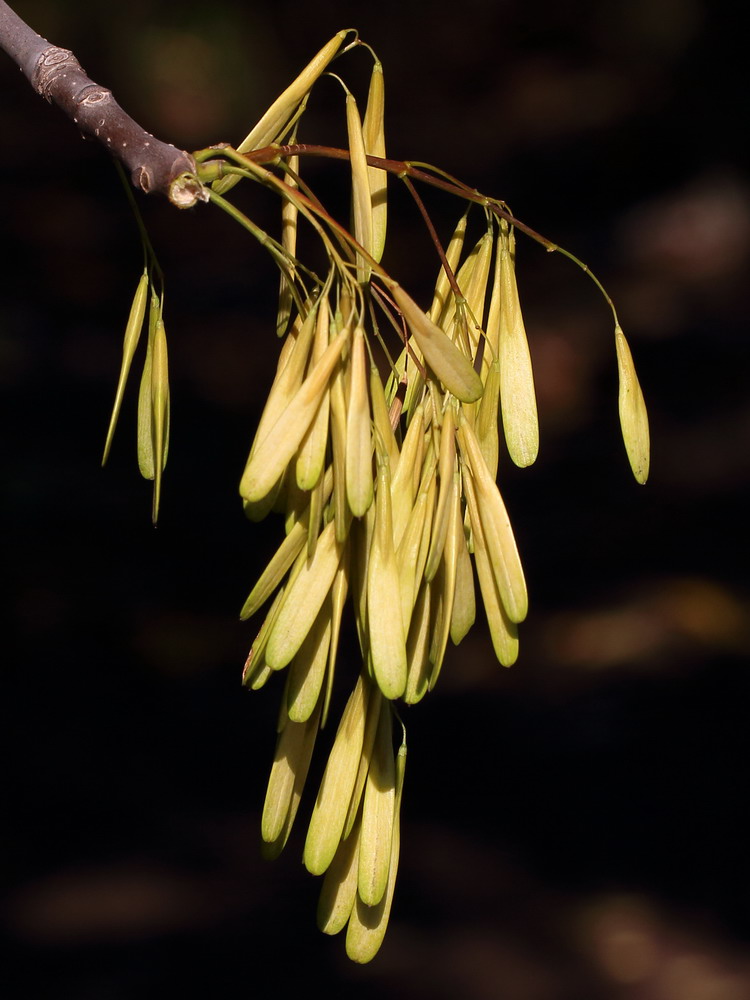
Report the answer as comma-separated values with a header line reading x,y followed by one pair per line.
x,y
409,171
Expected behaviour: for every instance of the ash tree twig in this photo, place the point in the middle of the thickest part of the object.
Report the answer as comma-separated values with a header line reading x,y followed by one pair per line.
x,y
56,74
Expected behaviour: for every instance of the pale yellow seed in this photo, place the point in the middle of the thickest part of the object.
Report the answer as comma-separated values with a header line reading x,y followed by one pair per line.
x,y
377,815
359,486
334,794
145,399
402,477
368,924
472,279
407,554
373,128
517,395
258,650
504,633
130,342
374,706
272,455
339,591
632,406
290,374
274,572
475,291
447,591
361,568
312,450
291,761
308,668
274,121
418,647
387,641
361,198
446,467
447,361
289,219
442,292
498,534
381,418
486,424
338,450
159,409
464,602
424,544
303,600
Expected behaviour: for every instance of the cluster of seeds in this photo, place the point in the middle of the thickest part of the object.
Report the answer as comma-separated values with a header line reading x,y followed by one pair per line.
x,y
153,396
387,491
385,473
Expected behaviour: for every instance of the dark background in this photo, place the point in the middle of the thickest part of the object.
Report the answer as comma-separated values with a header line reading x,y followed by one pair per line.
x,y
574,828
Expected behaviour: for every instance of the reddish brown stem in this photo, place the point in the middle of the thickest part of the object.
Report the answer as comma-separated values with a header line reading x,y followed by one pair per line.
x,y
402,169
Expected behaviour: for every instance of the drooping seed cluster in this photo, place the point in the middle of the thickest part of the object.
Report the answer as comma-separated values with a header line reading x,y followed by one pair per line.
x,y
153,395
387,490
385,473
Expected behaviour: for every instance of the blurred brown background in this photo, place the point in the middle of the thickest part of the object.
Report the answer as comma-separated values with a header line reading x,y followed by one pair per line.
x,y
574,828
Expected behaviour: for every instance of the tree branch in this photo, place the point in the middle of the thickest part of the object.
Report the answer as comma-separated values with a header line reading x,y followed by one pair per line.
x,y
57,75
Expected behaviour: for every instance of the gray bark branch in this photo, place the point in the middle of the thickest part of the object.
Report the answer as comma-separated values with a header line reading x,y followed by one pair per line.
x,y
56,74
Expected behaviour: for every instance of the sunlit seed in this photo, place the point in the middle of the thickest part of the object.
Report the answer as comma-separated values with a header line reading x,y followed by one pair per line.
x,y
334,794
258,650
385,627
377,815
373,127
145,399
442,291
496,529
447,580
315,517
274,572
472,279
312,450
289,220
339,591
274,121
338,450
464,602
381,418
503,632
130,342
632,407
303,600
443,510
159,410
273,453
290,374
449,364
402,493
368,924
359,485
407,556
424,543
418,647
374,707
361,197
360,548
486,425
308,668
291,762
517,395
